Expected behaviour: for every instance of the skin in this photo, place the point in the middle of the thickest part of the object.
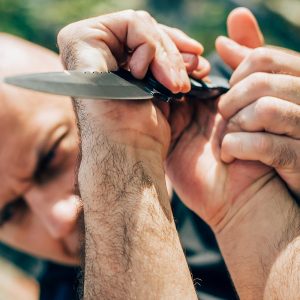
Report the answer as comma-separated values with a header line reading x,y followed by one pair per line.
x,y
130,142
43,221
271,77
39,211
131,154
240,200
51,243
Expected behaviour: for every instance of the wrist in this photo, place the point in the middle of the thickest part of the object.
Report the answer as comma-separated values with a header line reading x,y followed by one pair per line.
x,y
254,237
138,125
128,218
118,167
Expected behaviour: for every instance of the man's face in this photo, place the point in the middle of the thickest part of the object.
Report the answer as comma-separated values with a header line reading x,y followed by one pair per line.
x,y
38,209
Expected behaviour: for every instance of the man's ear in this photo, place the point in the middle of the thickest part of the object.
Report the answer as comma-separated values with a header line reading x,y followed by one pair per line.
x,y
244,33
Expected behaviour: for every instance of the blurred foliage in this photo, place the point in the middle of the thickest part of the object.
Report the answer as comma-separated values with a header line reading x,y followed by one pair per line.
x,y
40,20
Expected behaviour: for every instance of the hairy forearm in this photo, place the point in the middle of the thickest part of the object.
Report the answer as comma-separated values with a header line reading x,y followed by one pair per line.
x,y
284,279
261,245
132,250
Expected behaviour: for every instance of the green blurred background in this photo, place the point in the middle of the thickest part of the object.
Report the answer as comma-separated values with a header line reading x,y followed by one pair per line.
x,y
40,20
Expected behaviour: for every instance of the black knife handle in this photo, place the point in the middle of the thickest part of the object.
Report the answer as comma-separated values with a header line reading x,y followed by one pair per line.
x,y
199,89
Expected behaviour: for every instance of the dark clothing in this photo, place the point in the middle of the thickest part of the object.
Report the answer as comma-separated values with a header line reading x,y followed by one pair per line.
x,y
208,269
59,282
209,272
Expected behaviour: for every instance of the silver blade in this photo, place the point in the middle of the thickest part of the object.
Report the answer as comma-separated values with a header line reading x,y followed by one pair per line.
x,y
93,85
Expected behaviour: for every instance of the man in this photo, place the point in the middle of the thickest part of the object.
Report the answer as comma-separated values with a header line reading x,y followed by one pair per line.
x,y
43,222
38,206
39,211
132,249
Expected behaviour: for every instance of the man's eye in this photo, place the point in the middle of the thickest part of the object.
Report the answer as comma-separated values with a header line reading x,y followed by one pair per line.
x,y
51,163
45,169
47,159
11,210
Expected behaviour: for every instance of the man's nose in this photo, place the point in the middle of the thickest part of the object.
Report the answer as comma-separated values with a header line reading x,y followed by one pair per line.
x,y
57,214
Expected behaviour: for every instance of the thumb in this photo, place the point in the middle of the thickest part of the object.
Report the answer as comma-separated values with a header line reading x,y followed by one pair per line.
x,y
245,35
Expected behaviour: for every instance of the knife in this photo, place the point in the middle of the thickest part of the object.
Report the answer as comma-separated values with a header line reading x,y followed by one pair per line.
x,y
115,85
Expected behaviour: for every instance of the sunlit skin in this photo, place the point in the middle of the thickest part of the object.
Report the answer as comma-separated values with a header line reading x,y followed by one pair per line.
x,y
37,127
32,125
239,200
39,212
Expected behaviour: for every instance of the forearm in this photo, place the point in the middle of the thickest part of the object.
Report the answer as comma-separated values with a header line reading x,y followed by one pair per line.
x,y
261,245
132,250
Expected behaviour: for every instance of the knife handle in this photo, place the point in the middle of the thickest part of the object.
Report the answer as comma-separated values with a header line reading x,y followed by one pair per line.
x,y
199,89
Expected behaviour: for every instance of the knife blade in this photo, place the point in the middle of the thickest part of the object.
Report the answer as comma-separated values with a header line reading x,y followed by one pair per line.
x,y
115,85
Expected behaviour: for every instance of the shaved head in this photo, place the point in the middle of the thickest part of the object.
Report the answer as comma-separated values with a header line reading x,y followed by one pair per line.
x,y
20,56
38,155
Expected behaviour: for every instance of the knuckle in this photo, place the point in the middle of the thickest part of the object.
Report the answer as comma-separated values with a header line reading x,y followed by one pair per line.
x,y
261,57
265,109
67,44
239,121
176,58
63,35
259,81
130,14
269,111
144,15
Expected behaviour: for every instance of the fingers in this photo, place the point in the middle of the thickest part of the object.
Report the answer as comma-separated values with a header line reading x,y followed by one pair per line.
x,y
102,44
231,52
243,28
274,151
141,58
188,46
191,61
267,60
168,62
268,114
77,54
256,86
182,41
202,69
244,35
279,152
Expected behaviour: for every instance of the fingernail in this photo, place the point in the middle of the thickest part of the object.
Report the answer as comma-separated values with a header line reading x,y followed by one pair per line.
x,y
186,85
188,58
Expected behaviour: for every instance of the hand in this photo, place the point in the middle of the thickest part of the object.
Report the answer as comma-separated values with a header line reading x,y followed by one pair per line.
x,y
121,177
240,200
208,186
134,40
262,109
